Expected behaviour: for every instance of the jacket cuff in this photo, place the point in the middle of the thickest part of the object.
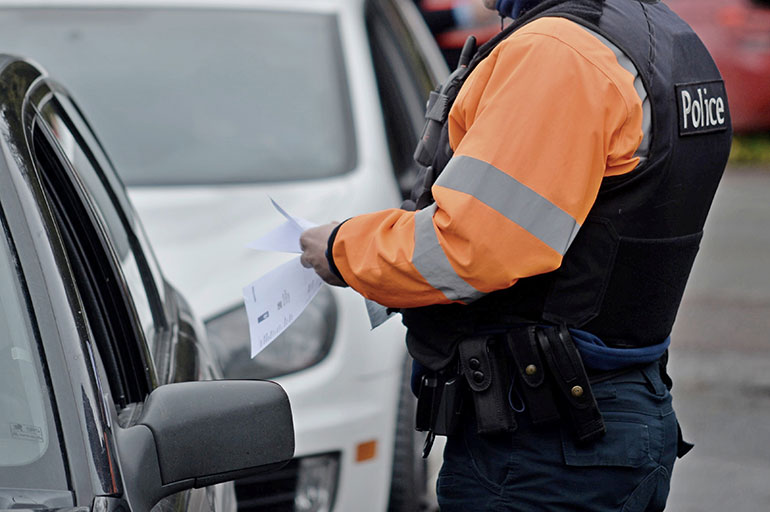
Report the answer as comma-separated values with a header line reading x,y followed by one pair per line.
x,y
330,252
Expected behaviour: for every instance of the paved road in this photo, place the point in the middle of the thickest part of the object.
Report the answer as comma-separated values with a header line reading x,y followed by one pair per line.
x,y
720,356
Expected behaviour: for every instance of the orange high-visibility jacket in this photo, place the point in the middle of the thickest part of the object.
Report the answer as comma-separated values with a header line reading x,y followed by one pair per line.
x,y
535,128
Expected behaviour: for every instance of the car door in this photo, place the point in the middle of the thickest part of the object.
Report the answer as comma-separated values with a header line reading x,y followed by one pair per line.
x,y
83,419
126,301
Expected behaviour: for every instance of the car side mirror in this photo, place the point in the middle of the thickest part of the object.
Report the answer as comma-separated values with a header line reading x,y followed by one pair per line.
x,y
195,434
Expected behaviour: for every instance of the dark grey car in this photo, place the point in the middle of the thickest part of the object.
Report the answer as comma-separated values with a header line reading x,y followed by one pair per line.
x,y
102,399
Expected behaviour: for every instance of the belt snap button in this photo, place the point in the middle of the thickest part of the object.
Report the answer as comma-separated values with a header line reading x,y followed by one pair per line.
x,y
531,369
478,377
474,363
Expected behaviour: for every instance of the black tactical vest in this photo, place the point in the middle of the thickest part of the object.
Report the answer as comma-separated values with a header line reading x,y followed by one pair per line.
x,y
623,277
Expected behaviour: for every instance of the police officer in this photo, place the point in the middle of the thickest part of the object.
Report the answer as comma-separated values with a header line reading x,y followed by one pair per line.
x,y
569,166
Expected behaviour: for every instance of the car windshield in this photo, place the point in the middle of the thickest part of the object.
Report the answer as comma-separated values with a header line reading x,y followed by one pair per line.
x,y
199,96
30,456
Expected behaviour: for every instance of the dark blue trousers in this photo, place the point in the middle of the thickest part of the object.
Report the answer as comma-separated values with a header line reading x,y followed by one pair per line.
x,y
537,469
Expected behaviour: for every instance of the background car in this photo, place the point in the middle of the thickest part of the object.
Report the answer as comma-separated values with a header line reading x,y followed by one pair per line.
x,y
451,37
210,108
737,33
101,404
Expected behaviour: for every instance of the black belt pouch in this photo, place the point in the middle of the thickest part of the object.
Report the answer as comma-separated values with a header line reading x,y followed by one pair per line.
x,y
484,364
537,390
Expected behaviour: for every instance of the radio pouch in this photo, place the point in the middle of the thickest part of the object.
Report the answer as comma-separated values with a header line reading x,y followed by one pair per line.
x,y
483,363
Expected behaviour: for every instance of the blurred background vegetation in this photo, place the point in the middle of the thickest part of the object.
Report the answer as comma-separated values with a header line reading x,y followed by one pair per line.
x,y
751,149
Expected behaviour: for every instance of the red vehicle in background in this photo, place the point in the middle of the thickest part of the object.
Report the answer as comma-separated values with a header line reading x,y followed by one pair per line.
x,y
451,36
737,33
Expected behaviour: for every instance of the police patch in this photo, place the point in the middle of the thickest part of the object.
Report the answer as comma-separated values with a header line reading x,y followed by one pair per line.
x,y
702,107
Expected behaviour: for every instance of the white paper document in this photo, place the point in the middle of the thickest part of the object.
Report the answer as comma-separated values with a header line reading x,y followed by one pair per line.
x,y
276,299
284,238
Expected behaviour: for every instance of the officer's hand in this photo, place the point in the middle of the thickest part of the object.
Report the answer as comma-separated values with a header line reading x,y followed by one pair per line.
x,y
313,243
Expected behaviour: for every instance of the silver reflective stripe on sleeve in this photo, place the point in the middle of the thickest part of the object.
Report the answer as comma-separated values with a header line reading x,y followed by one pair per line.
x,y
507,196
431,262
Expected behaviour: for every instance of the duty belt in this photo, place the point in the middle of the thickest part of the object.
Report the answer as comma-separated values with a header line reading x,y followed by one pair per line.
x,y
542,359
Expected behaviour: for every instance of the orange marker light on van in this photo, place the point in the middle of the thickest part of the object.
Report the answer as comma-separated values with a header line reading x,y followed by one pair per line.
x,y
366,451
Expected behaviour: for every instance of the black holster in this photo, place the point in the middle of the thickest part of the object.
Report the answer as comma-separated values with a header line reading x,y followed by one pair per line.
x,y
440,402
566,380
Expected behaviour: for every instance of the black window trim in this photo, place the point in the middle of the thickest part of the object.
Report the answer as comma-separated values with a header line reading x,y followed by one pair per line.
x,y
110,181
127,331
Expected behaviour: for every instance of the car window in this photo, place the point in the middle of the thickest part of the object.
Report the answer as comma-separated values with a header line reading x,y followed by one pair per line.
x,y
132,262
200,96
144,252
404,83
29,445
114,285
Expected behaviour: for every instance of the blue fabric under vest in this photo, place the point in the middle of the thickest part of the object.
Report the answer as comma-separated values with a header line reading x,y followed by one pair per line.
x,y
598,356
